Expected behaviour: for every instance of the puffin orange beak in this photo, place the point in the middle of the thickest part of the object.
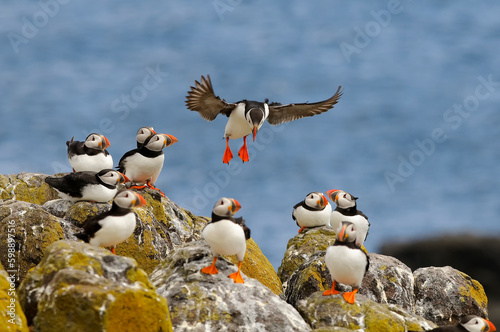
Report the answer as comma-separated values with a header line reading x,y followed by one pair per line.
x,y
235,206
170,139
123,178
254,132
139,201
343,234
492,327
322,201
330,193
106,143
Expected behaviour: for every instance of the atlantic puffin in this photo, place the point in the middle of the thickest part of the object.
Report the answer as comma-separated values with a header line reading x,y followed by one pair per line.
x,y
114,226
346,210
246,116
88,186
143,165
143,134
226,235
313,211
90,155
346,262
469,323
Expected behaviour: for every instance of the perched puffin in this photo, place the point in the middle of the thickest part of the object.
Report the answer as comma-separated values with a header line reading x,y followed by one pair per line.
x,y
246,117
143,165
313,211
143,134
346,210
346,262
469,323
226,235
90,155
88,186
114,226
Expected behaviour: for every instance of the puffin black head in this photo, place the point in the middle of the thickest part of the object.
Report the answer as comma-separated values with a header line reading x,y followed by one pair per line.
x,y
474,323
316,200
341,198
142,135
226,207
97,141
255,114
346,232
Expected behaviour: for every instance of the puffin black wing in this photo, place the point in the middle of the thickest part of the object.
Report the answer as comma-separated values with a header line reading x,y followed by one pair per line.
x,y
121,163
72,183
286,113
201,98
240,221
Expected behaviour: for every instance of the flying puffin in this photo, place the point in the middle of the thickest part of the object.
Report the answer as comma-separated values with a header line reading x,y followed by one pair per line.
x,y
90,155
88,186
226,235
143,134
346,210
469,323
346,262
246,117
313,211
143,165
114,226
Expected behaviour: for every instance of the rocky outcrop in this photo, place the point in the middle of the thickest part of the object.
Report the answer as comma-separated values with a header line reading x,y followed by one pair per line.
x,y
201,302
78,287
444,294
12,318
388,282
333,313
71,285
162,227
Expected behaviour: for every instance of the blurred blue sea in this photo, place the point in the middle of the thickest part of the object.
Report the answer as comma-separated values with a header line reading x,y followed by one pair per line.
x,y
415,136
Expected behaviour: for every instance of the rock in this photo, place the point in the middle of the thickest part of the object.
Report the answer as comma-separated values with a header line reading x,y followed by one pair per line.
x,y
333,313
200,302
475,255
12,318
27,187
31,228
301,247
444,294
78,287
387,281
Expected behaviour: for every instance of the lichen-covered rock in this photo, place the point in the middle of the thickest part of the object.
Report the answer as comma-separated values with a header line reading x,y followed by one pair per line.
x,y
28,187
301,247
444,294
201,302
12,318
29,230
387,281
78,287
333,313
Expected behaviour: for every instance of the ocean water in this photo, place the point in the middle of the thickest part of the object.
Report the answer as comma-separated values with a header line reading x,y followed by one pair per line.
x,y
415,136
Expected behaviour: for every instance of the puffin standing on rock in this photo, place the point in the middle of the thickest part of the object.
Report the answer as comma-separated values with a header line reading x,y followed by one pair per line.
x,y
469,323
90,155
313,211
246,117
346,262
346,210
114,226
143,165
226,235
88,186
